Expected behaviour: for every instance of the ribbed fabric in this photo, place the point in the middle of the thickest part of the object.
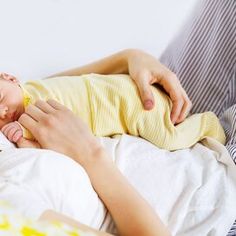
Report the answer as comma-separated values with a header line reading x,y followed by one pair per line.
x,y
203,56
110,105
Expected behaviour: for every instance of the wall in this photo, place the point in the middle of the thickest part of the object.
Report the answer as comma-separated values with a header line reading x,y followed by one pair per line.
x,y
39,38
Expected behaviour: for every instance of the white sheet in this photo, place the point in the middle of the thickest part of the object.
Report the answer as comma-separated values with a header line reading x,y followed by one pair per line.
x,y
36,180
193,190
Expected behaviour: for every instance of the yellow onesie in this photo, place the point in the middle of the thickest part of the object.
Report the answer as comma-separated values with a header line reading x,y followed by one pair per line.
x,y
110,105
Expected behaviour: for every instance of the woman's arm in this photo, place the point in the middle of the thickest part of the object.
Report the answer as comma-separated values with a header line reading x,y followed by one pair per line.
x,y
131,213
145,70
56,128
114,64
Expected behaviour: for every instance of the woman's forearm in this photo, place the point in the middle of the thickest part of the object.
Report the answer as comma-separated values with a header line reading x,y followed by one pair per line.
x,y
55,127
131,213
114,64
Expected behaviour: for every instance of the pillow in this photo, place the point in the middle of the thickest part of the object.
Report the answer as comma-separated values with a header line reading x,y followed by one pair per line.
x,y
202,61
35,180
5,143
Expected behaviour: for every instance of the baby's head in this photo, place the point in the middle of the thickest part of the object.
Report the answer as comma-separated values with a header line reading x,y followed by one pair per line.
x,y
11,99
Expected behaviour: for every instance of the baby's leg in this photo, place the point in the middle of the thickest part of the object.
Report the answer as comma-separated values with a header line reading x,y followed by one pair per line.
x,y
162,133
196,128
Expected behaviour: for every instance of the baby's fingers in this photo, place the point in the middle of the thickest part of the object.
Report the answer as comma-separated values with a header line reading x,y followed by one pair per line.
x,y
10,130
5,128
10,133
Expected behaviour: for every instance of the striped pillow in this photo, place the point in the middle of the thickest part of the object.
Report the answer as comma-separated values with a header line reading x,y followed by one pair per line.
x,y
203,56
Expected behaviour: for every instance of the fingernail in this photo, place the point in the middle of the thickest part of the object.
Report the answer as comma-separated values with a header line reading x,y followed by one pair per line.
x,y
173,120
148,104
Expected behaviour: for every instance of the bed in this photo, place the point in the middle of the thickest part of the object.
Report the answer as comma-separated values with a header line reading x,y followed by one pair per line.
x,y
193,190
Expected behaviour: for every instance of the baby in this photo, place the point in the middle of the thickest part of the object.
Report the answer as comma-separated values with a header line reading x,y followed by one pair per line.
x,y
109,105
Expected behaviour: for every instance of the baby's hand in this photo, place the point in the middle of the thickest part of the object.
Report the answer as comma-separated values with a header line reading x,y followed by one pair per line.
x,y
12,131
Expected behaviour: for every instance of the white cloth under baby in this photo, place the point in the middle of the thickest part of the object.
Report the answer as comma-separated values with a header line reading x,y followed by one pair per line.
x,y
36,180
193,190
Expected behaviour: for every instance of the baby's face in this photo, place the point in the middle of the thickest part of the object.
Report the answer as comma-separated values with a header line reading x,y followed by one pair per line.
x,y
11,99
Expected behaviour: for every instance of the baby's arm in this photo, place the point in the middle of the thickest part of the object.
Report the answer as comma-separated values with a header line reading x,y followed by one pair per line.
x,y
13,131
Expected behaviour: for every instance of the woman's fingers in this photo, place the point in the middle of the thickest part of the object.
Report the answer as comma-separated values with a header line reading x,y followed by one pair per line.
x,y
171,84
25,143
44,106
28,122
40,117
40,111
36,113
176,110
185,109
145,70
180,101
56,105
60,131
145,92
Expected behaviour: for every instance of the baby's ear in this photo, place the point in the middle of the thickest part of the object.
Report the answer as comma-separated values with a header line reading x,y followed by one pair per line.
x,y
9,77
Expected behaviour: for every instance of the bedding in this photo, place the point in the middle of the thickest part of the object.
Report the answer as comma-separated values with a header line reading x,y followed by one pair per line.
x,y
12,223
207,73
193,190
34,180
206,65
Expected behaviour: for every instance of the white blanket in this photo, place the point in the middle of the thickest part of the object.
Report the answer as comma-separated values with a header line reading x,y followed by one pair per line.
x,y
193,190
36,180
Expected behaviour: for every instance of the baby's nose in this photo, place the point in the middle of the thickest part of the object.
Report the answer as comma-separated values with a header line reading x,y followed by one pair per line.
x,y
3,112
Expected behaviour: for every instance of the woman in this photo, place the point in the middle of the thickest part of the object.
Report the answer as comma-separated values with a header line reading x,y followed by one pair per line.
x,y
56,128
203,58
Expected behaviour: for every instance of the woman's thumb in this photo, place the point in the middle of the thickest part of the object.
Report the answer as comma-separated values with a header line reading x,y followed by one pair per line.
x,y
146,94
25,143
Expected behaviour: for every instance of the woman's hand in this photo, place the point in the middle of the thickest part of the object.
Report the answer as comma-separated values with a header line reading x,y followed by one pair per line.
x,y
146,70
55,127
